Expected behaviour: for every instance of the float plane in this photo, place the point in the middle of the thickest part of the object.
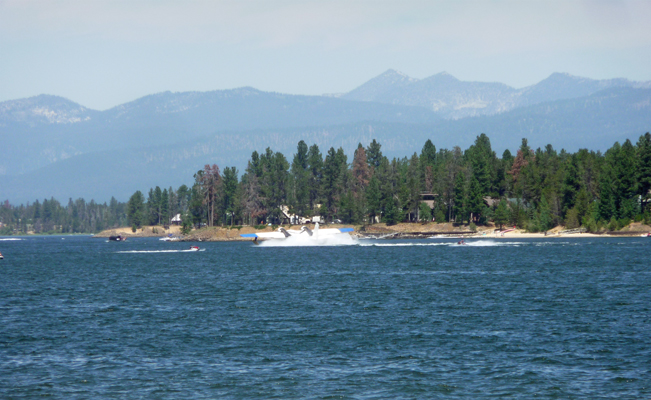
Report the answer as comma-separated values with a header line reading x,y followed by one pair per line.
x,y
282,233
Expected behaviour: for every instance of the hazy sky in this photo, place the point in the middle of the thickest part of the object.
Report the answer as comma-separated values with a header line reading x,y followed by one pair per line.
x,y
104,53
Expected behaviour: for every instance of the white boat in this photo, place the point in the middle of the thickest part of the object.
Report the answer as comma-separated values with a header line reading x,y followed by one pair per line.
x,y
283,234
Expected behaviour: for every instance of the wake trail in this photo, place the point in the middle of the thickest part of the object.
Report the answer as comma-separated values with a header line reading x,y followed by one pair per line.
x,y
157,251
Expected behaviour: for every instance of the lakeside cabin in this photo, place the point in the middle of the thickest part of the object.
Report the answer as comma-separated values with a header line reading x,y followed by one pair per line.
x,y
293,219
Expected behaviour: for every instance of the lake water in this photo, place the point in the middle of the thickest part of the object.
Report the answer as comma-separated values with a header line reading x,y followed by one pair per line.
x,y
537,318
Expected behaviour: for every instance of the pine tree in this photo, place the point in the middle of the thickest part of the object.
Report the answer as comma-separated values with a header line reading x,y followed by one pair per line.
x,y
476,201
501,214
644,169
164,208
607,205
374,198
315,166
229,195
460,195
300,177
374,155
135,208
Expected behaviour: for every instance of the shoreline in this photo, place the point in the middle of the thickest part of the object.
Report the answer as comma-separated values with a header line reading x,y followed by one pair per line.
x,y
376,231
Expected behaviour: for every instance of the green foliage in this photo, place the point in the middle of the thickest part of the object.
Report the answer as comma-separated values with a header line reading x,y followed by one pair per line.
x,y
501,215
186,228
613,225
460,198
472,227
533,227
572,219
439,216
541,188
591,225
425,212
391,214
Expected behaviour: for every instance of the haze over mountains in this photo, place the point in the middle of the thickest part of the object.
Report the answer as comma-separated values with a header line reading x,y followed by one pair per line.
x,y
55,147
452,98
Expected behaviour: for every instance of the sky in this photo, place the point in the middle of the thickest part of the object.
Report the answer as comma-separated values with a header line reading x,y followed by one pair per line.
x,y
104,53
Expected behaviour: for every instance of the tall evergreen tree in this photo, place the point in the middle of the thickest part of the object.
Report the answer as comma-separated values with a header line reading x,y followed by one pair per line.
x,y
476,203
644,169
300,179
135,209
315,179
374,155
460,195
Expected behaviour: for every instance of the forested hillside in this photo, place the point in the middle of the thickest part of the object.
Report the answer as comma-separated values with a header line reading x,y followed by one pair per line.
x,y
533,189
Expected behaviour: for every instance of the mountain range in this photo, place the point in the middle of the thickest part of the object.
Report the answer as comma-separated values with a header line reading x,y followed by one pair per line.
x,y
55,147
452,98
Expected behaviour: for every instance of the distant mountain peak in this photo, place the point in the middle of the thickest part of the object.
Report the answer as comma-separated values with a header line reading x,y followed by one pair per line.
x,y
44,108
387,81
442,76
393,72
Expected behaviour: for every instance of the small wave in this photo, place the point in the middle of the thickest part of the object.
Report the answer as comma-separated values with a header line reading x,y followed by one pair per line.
x,y
9,239
477,243
157,251
404,244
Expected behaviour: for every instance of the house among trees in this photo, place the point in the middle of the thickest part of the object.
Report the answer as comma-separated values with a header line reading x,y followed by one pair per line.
x,y
177,220
429,199
293,219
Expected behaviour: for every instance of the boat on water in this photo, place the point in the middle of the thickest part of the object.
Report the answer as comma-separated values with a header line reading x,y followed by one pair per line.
x,y
169,238
117,238
194,248
1,256
305,232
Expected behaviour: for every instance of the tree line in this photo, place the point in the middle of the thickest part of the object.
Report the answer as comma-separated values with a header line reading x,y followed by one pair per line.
x,y
50,216
533,189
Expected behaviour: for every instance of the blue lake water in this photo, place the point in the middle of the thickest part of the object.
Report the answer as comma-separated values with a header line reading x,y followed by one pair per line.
x,y
533,318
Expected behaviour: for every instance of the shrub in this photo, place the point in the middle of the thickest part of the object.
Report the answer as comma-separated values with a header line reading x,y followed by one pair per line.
x,y
612,225
473,227
186,227
591,225
532,227
572,219
425,212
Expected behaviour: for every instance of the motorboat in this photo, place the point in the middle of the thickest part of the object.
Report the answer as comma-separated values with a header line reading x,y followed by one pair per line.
x,y
282,233
169,238
117,238
194,248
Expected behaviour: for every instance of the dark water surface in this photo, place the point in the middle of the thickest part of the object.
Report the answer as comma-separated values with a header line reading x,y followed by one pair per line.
x,y
548,318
